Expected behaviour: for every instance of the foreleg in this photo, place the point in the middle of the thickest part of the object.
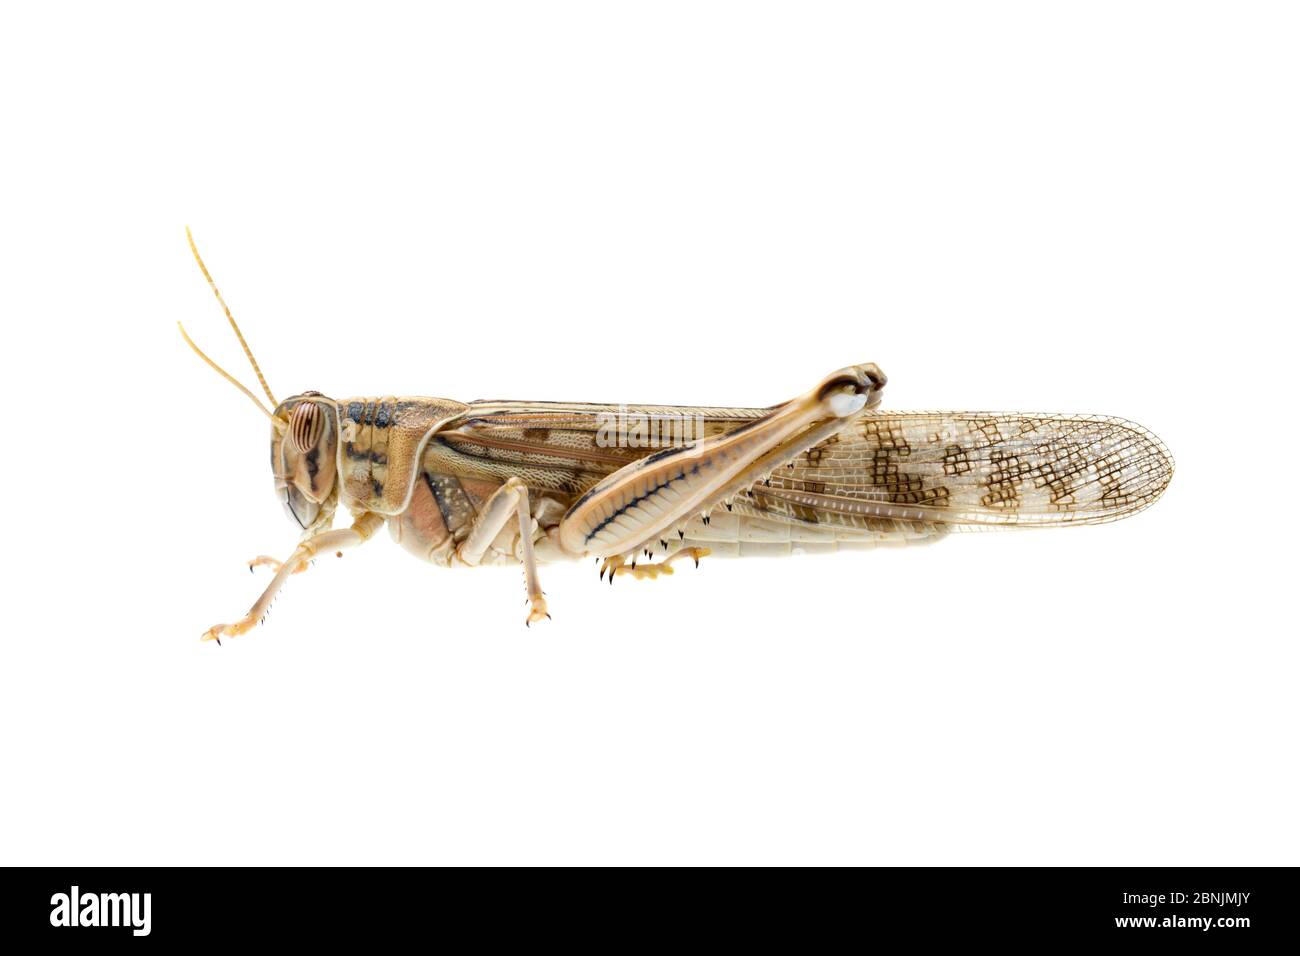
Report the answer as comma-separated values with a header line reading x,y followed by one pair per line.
x,y
362,528
275,564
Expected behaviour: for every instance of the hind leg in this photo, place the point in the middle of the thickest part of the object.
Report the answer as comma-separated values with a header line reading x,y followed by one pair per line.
x,y
645,499
618,566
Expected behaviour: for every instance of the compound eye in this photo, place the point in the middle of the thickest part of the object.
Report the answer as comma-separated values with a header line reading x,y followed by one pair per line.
x,y
305,426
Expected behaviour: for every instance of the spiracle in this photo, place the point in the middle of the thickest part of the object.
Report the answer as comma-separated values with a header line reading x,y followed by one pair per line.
x,y
305,426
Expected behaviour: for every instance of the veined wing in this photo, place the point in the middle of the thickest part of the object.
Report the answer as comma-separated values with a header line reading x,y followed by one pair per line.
x,y
888,472
971,470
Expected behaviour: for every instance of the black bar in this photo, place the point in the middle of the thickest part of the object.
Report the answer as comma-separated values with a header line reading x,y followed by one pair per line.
x,y
1226,907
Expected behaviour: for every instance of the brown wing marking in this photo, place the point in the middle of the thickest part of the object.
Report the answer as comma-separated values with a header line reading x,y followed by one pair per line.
x,y
974,470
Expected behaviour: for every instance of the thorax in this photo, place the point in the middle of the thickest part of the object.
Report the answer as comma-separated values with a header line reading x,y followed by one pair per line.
x,y
381,441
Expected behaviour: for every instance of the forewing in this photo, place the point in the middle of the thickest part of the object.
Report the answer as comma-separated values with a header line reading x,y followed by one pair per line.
x,y
972,470
888,472
568,447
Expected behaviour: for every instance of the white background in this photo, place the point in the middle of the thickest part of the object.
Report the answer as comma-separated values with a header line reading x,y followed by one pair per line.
x,y
1083,207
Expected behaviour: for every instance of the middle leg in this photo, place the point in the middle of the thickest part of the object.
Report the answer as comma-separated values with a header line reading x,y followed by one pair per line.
x,y
511,499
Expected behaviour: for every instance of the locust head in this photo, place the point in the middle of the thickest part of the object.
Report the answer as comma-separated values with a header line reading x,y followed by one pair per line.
x,y
304,433
304,455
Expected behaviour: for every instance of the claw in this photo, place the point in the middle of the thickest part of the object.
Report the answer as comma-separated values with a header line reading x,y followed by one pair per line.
x,y
264,560
610,565
218,631
538,611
